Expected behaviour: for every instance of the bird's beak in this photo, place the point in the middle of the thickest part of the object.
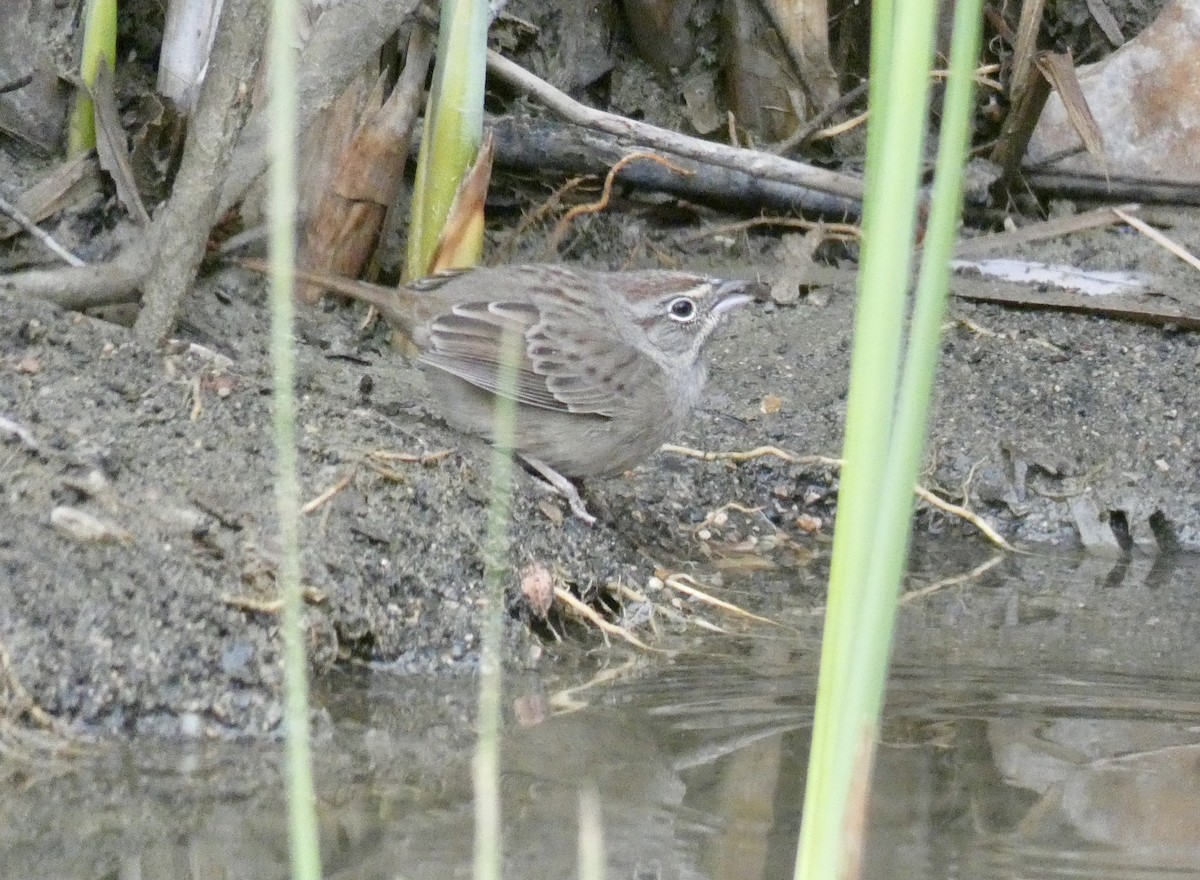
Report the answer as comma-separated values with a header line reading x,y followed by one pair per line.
x,y
733,294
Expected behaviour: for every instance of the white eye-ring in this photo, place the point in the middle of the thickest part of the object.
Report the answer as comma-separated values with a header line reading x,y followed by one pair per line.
x,y
682,309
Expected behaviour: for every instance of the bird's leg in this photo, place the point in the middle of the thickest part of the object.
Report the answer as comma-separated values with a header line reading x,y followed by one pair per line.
x,y
564,486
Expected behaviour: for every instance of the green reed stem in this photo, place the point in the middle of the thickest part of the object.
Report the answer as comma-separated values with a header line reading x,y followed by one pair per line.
x,y
302,821
453,127
99,47
886,420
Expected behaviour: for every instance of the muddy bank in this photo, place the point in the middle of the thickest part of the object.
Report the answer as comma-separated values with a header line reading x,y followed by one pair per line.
x,y
165,624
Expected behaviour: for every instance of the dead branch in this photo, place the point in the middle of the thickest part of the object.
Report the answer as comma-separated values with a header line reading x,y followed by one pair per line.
x,y
765,166
1115,187
528,144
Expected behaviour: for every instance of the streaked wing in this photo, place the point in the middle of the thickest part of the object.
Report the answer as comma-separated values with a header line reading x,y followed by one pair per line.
x,y
563,363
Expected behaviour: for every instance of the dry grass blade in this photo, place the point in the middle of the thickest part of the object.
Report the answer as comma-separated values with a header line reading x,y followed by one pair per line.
x,y
38,233
1158,238
66,184
1107,22
374,461
425,458
841,128
1053,228
325,496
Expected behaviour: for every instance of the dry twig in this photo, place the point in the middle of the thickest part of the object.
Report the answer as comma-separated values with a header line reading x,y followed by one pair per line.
x,y
40,234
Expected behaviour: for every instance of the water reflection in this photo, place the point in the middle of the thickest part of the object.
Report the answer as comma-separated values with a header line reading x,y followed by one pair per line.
x,y
1042,723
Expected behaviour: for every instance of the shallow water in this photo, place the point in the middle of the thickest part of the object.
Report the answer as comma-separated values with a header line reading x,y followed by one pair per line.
x,y
1043,721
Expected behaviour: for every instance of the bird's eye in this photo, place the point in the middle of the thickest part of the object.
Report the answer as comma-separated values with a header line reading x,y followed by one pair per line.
x,y
682,308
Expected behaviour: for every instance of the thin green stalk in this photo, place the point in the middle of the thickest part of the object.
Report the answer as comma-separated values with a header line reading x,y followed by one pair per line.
x,y
302,824
850,691
890,550
488,855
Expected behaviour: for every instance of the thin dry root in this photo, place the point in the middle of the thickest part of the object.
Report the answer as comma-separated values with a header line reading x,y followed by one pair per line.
x,y
967,515
582,610
942,584
48,735
310,595
560,229
751,454
836,463
509,247
832,231
689,586
372,460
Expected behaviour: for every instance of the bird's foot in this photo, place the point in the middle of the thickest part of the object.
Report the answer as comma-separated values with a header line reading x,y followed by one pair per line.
x,y
564,486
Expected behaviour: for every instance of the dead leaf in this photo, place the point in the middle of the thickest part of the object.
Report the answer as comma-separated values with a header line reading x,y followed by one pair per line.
x,y
462,234
1059,70
537,586
796,268
111,147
